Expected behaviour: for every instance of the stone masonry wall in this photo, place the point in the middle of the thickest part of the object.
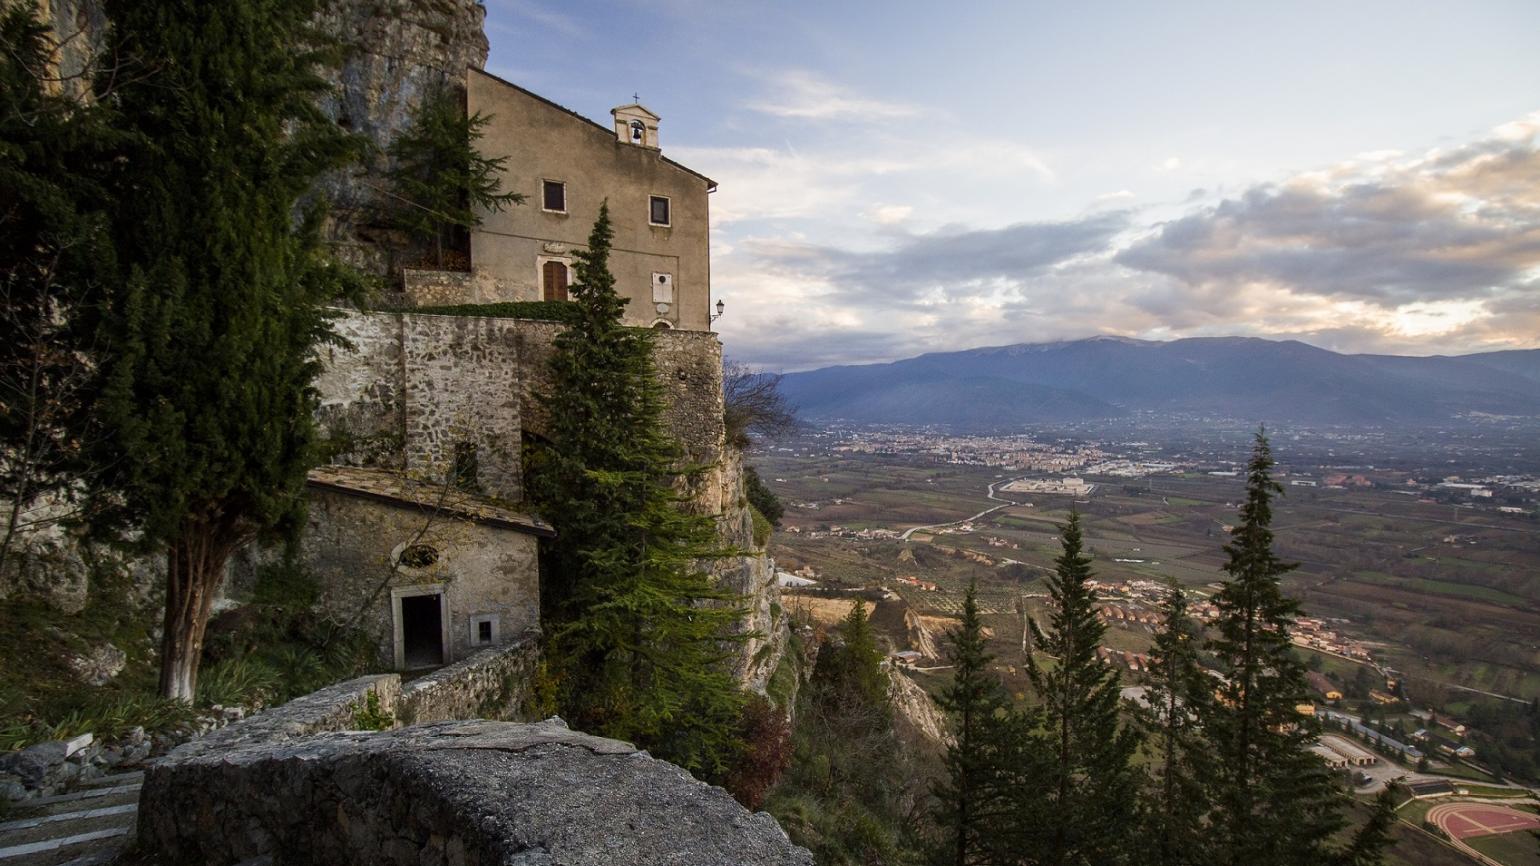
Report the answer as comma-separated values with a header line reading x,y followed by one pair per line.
x,y
492,684
423,288
425,382
462,391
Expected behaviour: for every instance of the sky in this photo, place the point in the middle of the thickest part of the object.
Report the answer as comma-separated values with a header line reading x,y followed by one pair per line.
x,y
904,177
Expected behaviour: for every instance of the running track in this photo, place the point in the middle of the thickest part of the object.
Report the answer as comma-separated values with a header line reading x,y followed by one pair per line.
x,y
1464,820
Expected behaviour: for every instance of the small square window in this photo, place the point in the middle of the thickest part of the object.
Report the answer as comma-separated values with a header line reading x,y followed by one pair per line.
x,y
659,215
554,196
484,629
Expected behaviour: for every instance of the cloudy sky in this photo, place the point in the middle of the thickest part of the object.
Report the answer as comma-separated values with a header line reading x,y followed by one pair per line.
x,y
899,177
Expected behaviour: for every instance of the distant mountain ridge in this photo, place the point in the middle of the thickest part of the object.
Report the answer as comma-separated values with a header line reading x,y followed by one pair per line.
x,y
1102,377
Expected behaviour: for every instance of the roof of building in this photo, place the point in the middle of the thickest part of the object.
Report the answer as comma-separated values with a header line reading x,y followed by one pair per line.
x,y
711,185
397,488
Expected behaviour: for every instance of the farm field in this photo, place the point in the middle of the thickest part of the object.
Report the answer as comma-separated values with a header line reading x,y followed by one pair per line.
x,y
1447,596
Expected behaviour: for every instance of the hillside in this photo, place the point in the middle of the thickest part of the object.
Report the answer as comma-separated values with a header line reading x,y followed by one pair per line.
x,y
1233,377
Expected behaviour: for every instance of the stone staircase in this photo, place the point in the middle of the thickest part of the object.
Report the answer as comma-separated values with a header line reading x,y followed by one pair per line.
x,y
89,826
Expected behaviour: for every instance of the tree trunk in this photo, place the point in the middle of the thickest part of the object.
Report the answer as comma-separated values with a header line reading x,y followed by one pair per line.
x,y
195,566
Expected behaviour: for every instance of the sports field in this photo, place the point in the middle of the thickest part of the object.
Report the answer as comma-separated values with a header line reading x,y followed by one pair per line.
x,y
1464,820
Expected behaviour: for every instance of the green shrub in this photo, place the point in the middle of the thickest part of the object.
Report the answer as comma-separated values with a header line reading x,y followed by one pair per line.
x,y
369,716
762,528
545,311
238,682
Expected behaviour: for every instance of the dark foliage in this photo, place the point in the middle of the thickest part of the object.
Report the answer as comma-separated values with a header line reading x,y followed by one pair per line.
x,y
753,408
761,497
208,349
546,311
640,634
440,180
766,735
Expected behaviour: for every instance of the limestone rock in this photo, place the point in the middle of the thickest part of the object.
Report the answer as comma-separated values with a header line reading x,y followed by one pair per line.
x,y
98,665
476,793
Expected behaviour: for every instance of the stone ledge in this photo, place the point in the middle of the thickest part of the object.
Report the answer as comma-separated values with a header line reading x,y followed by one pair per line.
x,y
449,794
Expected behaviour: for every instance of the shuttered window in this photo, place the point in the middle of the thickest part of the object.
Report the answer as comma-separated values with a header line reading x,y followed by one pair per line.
x,y
554,196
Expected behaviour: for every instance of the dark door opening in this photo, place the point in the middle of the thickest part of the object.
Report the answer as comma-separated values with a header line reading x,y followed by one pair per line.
x,y
422,631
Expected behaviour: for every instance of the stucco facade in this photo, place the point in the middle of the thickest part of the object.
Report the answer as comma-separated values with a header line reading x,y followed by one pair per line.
x,y
663,267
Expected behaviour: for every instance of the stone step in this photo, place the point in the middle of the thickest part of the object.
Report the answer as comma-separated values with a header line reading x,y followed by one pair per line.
x,y
30,830
114,780
62,849
108,797
76,796
96,811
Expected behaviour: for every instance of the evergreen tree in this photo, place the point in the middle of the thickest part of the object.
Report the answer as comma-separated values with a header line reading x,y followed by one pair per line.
x,y
640,631
853,667
55,263
210,346
1177,800
1089,786
440,179
983,802
1274,801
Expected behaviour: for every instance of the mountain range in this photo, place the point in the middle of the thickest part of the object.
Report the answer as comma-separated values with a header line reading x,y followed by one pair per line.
x,y
1241,378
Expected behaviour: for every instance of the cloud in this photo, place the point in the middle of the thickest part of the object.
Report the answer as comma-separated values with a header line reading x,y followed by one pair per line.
x,y
803,95
1433,252
548,18
1452,225
945,264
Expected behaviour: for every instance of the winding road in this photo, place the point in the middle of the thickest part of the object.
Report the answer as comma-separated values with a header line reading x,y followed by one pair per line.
x,y
1004,503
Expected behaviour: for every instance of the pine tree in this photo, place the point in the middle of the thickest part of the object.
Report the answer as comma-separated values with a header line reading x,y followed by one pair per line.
x,y
1177,800
640,631
853,667
983,801
1090,785
209,347
440,180
1274,801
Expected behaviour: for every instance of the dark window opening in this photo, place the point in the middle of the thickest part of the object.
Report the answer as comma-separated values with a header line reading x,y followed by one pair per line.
x,y
484,631
555,196
422,631
553,281
660,214
419,556
467,467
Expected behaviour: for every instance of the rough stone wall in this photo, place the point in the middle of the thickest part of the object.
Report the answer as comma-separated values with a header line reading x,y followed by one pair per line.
x,y
423,288
328,709
492,684
435,380
462,793
397,52
350,544
462,390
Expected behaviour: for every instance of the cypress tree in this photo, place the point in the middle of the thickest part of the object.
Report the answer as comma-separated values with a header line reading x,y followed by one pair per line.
x,y
1089,786
987,794
640,631
209,347
440,179
55,264
1177,799
1274,801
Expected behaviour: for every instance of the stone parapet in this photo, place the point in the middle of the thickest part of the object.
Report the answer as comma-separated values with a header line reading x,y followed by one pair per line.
x,y
449,794
492,684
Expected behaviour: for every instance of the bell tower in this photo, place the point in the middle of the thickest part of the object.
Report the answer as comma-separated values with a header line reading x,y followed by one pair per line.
x,y
635,124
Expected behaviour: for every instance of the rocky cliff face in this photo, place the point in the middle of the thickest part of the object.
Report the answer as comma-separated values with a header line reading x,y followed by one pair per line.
x,y
397,52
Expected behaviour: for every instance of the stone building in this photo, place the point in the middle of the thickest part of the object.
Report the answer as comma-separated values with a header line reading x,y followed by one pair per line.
x,y
566,166
433,572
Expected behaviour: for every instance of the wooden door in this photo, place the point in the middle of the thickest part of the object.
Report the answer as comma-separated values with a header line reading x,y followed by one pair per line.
x,y
554,280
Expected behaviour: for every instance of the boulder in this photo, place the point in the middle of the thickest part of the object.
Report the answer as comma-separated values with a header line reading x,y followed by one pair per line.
x,y
36,762
472,793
